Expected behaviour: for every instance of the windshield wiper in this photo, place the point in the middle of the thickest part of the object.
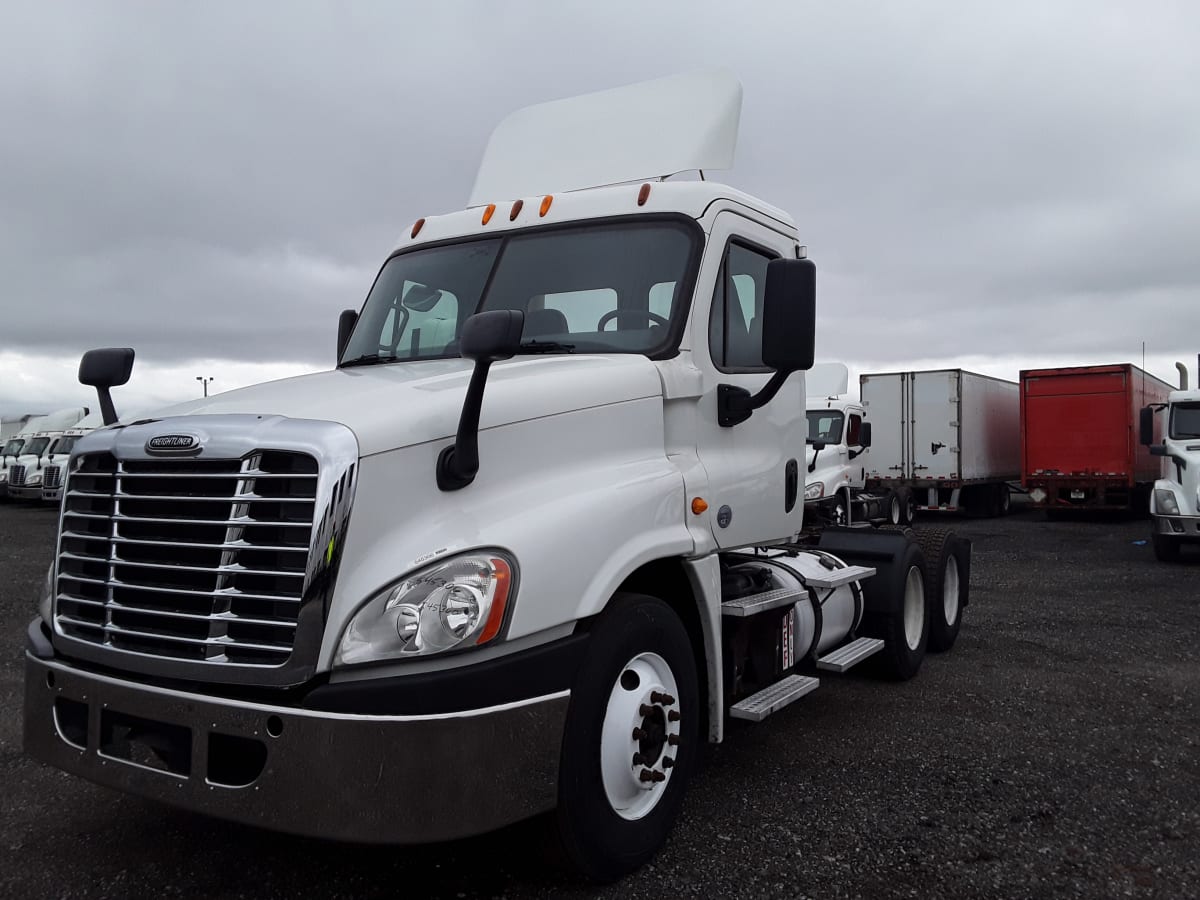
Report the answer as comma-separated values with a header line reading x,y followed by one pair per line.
x,y
535,346
367,359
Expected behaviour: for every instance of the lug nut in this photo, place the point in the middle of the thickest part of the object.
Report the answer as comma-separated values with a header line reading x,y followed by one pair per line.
x,y
638,734
651,775
667,762
664,699
673,740
638,759
645,710
673,715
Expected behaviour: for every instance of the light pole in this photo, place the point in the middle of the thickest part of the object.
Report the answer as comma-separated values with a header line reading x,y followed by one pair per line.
x,y
205,382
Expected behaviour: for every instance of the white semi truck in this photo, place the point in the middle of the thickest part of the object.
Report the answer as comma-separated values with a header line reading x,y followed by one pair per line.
x,y
839,444
945,439
60,452
1175,500
25,472
525,548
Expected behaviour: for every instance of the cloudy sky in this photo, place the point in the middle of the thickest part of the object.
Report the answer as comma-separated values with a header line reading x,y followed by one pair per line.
x,y
996,185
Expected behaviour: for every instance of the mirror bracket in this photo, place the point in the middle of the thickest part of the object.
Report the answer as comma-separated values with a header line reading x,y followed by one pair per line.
x,y
735,404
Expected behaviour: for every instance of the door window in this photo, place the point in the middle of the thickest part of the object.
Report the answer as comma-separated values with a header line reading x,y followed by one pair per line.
x,y
735,326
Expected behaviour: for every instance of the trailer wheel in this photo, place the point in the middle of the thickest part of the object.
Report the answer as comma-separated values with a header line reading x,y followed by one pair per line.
x,y
1004,500
908,506
945,585
895,509
1166,548
630,739
905,627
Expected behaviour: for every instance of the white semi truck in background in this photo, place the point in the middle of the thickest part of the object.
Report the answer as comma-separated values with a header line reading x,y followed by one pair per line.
x,y
24,472
1175,499
60,452
945,439
525,549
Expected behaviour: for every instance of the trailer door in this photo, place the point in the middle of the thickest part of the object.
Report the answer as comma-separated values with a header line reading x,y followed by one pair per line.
x,y
934,447
884,399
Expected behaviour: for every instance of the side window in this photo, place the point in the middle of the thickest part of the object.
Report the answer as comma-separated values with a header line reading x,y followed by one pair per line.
x,y
735,326
853,431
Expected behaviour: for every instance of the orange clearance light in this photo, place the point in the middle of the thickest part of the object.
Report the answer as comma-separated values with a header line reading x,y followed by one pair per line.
x,y
516,210
503,576
487,213
546,201
417,226
698,506
643,195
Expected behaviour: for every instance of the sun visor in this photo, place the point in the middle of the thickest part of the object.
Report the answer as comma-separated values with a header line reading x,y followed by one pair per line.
x,y
647,130
827,380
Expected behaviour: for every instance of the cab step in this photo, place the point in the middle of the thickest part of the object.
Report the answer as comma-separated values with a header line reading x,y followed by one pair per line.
x,y
835,578
850,654
753,604
774,697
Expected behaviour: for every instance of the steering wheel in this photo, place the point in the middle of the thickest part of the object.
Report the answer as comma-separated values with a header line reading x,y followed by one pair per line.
x,y
653,318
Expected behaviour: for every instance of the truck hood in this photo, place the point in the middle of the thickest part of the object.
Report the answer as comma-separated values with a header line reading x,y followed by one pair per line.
x,y
403,404
1189,451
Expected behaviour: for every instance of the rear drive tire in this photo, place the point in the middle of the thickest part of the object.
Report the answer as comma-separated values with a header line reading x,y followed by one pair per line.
x,y
1166,548
905,627
908,506
946,568
895,509
611,821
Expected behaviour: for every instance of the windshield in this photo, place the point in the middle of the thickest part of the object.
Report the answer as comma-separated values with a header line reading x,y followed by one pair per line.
x,y
1185,421
36,446
599,288
825,425
63,445
13,447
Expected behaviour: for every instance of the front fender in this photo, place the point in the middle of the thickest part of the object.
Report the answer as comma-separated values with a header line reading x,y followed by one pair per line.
x,y
579,499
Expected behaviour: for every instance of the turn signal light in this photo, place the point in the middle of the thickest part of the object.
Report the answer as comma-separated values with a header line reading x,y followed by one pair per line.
x,y
698,506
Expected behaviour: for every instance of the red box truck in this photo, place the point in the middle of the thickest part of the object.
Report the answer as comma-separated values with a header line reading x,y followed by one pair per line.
x,y
1079,436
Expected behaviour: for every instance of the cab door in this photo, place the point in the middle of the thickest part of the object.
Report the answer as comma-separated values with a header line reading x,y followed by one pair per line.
x,y
756,468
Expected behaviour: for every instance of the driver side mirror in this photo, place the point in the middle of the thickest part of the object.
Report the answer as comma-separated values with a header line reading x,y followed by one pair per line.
x,y
346,322
1146,426
864,435
790,315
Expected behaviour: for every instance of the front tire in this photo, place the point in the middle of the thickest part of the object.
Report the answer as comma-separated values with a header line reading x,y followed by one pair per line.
x,y
1166,548
630,739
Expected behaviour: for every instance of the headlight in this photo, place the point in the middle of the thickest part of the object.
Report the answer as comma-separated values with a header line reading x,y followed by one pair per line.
x,y
47,599
1164,502
455,604
33,479
814,491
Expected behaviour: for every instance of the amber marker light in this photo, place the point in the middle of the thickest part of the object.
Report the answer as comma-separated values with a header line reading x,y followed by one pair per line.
x,y
503,576
516,210
698,506
417,226
487,213
545,207
643,195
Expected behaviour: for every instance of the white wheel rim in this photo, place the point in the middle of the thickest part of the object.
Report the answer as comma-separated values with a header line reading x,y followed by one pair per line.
x,y
950,591
895,511
839,513
643,697
914,608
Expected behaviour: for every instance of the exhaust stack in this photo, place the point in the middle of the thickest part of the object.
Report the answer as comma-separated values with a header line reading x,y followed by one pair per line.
x,y
1183,375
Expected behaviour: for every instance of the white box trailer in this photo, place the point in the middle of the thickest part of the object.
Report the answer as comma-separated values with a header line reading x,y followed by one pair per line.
x,y
951,437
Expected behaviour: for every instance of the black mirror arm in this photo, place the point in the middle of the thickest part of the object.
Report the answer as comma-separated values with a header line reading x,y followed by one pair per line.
x,y
458,464
735,404
108,412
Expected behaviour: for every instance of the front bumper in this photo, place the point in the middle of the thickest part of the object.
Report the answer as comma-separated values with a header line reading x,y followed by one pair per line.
x,y
26,491
363,778
1177,526
52,495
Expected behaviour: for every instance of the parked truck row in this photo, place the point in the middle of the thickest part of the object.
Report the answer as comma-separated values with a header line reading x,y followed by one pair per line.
x,y
31,460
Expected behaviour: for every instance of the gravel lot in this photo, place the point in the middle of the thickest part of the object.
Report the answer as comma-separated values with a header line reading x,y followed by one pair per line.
x,y
1052,753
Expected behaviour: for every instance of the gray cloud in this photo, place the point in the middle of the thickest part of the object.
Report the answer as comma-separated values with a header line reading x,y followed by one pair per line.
x,y
216,181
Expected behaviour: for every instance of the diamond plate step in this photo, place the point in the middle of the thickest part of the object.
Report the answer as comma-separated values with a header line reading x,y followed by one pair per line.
x,y
851,654
771,699
756,603
837,577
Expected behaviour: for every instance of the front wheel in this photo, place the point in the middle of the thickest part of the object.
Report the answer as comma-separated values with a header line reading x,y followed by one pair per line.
x,y
630,739
1166,548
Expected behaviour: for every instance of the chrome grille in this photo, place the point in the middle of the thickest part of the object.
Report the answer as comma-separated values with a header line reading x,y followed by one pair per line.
x,y
191,559
52,476
16,475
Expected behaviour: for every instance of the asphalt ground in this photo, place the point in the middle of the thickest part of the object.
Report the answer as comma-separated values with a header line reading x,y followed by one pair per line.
x,y
1052,753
